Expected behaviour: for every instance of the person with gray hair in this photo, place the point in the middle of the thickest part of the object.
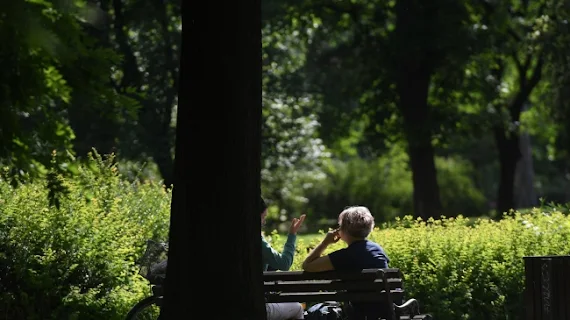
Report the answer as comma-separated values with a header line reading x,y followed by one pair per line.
x,y
355,225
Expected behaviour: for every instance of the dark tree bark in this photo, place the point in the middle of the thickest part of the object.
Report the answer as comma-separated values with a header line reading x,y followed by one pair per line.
x,y
413,94
525,193
415,65
509,155
215,253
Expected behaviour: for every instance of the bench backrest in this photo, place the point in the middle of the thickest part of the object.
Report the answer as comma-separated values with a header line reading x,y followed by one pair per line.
x,y
367,285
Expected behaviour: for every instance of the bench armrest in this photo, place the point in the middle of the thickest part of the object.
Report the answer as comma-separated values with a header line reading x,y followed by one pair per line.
x,y
410,307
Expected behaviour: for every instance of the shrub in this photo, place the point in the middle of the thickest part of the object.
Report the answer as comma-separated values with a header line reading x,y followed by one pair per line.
x,y
458,193
460,269
385,186
77,261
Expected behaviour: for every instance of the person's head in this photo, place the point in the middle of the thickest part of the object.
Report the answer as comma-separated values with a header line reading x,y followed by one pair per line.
x,y
355,223
263,208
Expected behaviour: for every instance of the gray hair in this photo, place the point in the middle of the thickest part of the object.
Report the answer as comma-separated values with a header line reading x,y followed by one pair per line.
x,y
357,221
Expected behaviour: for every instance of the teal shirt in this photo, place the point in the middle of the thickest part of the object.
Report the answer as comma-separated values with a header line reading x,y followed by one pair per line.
x,y
280,261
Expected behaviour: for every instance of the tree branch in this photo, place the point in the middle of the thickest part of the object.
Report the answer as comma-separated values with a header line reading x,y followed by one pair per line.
x,y
489,9
515,108
537,72
518,64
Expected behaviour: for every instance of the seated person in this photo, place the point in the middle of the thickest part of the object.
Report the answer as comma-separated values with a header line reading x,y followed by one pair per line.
x,y
281,261
355,224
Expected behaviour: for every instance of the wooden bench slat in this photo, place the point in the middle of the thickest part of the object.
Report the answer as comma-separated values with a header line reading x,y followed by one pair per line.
x,y
330,275
334,296
393,273
330,285
369,285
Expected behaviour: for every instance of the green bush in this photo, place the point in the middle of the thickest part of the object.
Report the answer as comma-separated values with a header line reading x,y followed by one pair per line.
x,y
71,254
385,186
460,269
458,193
77,261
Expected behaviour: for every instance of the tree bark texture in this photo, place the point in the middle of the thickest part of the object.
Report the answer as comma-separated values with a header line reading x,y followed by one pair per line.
x,y
214,269
413,71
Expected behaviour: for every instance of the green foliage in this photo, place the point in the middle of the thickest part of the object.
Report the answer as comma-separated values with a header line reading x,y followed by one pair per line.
x,y
384,185
51,66
293,155
460,269
137,171
486,61
77,260
459,195
33,89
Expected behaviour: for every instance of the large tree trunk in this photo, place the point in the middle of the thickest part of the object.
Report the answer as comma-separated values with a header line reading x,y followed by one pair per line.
x,y
413,92
427,202
215,253
414,67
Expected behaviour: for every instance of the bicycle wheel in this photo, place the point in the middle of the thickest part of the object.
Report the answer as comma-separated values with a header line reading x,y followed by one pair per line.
x,y
146,309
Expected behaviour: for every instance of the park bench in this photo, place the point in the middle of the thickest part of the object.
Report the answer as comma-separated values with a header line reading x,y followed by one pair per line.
x,y
384,286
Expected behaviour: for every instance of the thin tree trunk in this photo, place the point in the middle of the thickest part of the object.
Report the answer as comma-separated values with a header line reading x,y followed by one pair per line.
x,y
509,155
215,253
508,143
525,194
162,156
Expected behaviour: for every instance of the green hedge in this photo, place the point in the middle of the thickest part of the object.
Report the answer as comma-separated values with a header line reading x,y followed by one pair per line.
x,y
464,269
78,261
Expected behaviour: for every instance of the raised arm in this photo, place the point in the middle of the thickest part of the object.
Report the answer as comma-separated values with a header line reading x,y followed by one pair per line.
x,y
314,262
280,261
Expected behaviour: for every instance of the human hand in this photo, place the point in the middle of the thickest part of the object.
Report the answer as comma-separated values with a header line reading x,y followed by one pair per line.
x,y
332,237
296,224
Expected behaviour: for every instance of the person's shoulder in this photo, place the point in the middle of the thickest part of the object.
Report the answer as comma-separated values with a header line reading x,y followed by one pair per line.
x,y
339,252
345,249
340,258
373,245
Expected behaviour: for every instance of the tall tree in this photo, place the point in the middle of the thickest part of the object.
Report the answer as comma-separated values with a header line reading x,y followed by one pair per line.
x,y
520,47
215,223
387,62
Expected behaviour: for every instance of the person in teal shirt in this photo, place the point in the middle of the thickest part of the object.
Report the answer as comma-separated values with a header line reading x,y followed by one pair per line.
x,y
278,261
271,258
